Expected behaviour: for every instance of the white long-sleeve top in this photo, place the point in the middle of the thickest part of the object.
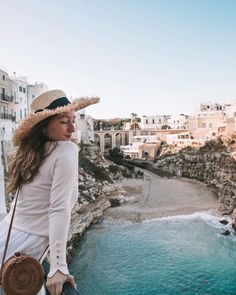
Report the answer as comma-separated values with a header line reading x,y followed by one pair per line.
x,y
44,205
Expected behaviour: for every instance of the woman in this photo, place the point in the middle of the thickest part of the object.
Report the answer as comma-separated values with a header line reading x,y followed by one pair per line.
x,y
45,170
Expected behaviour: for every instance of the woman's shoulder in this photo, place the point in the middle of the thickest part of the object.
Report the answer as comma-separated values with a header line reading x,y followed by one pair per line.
x,y
67,146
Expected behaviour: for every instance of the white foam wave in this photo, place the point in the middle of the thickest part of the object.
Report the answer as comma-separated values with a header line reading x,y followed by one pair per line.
x,y
204,216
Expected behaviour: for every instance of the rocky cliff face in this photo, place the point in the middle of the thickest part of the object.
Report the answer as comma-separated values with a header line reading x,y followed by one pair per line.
x,y
213,164
97,181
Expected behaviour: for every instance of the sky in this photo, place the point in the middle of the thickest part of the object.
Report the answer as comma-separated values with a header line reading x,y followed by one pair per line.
x,y
148,57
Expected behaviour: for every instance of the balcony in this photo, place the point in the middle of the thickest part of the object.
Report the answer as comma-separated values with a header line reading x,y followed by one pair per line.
x,y
7,117
5,98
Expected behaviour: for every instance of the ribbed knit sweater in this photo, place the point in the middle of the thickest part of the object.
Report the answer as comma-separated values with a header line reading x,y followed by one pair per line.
x,y
44,205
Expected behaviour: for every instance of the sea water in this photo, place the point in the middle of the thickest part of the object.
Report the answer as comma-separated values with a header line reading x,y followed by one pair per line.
x,y
174,255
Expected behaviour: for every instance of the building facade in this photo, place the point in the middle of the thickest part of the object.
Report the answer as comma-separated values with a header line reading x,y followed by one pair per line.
x,y
16,95
7,106
154,122
208,122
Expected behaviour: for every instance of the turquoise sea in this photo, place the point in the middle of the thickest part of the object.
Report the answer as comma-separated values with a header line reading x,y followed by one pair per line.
x,y
174,255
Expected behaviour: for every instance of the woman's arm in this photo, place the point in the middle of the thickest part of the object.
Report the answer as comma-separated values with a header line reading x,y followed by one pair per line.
x,y
59,214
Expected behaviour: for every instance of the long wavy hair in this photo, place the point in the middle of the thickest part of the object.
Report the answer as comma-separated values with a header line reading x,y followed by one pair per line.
x,y
29,156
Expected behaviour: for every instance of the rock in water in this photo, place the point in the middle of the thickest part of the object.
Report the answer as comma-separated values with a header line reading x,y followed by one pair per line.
x,y
224,221
226,233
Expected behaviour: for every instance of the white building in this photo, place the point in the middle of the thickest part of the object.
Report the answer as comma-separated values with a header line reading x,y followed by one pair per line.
x,y
230,111
6,128
159,122
134,148
207,123
34,90
7,106
211,106
84,128
20,88
183,139
178,122
153,122
15,97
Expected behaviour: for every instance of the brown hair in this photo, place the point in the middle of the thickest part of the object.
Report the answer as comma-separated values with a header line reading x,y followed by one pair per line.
x,y
29,156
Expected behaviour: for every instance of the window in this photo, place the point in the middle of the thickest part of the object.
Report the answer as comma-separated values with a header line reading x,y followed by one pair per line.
x,y
3,93
203,125
146,121
20,88
210,125
23,90
3,77
25,113
20,114
153,121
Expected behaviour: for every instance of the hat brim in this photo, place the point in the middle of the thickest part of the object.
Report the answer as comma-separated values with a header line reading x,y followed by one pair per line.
x,y
34,118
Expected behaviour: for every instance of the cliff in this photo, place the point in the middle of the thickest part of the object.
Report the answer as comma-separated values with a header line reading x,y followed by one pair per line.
x,y
97,183
214,164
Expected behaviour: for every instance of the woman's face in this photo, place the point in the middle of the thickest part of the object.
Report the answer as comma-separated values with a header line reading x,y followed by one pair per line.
x,y
61,127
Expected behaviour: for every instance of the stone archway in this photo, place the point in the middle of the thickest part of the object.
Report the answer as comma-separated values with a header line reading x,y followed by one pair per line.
x,y
111,139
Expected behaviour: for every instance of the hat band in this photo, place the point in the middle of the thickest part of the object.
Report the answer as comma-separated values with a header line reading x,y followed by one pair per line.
x,y
59,102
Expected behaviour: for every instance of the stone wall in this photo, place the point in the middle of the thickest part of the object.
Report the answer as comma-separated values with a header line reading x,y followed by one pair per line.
x,y
213,164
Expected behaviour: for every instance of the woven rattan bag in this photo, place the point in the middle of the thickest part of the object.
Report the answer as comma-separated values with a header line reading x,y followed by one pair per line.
x,y
22,275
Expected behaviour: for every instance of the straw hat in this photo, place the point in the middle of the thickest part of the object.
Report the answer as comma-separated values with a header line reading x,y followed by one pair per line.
x,y
48,104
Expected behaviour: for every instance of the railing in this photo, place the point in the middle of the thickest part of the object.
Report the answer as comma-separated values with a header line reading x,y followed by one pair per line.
x,y
6,98
67,287
7,116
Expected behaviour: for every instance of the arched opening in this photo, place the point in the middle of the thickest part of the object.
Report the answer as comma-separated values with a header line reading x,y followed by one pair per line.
x,y
118,140
126,138
107,142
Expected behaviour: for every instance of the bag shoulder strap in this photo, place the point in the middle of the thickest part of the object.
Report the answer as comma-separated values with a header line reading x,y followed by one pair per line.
x,y
9,229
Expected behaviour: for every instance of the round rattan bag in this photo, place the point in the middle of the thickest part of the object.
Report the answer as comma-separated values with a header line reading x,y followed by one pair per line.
x,y
22,275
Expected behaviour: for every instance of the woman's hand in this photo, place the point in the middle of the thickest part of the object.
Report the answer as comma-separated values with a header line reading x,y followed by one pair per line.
x,y
56,282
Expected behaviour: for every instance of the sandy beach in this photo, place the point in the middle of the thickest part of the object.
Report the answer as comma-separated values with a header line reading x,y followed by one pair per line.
x,y
155,197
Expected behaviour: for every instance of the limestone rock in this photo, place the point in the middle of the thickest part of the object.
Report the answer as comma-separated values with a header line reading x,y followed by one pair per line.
x,y
224,221
214,164
226,233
